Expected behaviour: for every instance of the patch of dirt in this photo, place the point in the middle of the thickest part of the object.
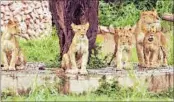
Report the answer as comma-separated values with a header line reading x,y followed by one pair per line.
x,y
30,68
137,70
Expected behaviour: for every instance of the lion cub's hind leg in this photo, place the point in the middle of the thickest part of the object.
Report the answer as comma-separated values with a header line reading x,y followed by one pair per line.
x,y
140,54
21,61
65,62
159,57
84,63
74,69
164,53
154,59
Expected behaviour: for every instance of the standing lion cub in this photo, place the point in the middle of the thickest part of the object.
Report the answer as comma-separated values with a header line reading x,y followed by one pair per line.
x,y
123,46
154,43
11,54
78,50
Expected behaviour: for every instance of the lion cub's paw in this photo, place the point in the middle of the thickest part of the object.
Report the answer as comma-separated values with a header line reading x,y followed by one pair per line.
x,y
127,66
119,66
20,67
164,65
12,68
72,71
83,71
4,68
154,65
143,65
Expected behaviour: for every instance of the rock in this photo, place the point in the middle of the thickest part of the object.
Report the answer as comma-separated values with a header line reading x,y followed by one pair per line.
x,y
34,13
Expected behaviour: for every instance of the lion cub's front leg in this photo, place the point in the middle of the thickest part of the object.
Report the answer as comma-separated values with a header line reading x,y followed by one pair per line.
x,y
21,61
127,59
140,54
146,58
84,63
74,69
119,59
13,60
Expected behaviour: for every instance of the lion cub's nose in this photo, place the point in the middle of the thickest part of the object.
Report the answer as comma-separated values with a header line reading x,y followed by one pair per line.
x,y
82,35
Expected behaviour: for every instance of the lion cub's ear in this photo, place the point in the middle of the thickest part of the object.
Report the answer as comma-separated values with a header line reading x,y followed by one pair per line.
x,y
153,9
111,29
87,25
142,13
10,22
73,25
130,29
118,30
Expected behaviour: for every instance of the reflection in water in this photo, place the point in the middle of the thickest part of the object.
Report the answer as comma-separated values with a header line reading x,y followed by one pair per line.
x,y
64,85
74,82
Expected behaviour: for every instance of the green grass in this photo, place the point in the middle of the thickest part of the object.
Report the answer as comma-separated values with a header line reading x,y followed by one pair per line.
x,y
60,97
89,97
170,47
45,50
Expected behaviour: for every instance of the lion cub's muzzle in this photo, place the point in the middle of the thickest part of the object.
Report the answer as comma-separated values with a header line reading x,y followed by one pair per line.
x,y
124,43
151,38
82,35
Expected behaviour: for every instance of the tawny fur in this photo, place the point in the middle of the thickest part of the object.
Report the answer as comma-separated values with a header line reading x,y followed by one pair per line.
x,y
78,50
11,55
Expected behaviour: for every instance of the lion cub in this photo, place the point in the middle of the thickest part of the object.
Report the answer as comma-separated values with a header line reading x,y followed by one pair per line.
x,y
123,45
10,52
78,50
154,43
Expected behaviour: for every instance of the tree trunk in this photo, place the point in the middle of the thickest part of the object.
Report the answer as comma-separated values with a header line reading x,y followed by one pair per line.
x,y
168,17
65,12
